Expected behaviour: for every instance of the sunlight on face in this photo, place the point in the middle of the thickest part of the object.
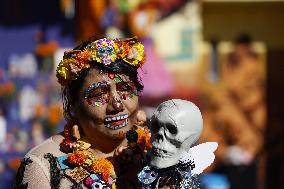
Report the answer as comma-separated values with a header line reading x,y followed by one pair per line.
x,y
108,104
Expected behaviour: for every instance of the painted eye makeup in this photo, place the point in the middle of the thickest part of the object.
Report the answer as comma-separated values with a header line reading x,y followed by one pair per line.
x,y
126,90
97,94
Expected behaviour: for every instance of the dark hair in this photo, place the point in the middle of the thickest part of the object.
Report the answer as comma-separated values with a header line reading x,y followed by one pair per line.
x,y
70,92
243,38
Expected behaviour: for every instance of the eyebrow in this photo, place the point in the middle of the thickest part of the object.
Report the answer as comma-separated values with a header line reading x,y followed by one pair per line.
x,y
118,79
96,85
122,83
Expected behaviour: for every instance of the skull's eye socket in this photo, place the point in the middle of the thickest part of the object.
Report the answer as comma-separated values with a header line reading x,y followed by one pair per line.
x,y
171,128
153,175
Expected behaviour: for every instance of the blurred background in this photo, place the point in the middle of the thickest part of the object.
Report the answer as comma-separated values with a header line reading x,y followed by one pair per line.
x,y
227,56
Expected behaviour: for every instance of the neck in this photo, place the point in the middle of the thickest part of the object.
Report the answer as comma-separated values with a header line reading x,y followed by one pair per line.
x,y
105,148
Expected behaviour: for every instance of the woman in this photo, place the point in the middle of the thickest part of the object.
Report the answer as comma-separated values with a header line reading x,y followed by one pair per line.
x,y
101,146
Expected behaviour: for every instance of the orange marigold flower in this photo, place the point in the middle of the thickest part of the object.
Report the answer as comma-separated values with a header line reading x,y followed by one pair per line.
x,y
123,49
82,58
144,138
77,158
102,166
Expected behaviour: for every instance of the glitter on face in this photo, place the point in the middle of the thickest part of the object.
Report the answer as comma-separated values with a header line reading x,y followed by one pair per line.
x,y
99,93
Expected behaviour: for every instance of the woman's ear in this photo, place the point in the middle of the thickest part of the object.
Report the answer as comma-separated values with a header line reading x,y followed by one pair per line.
x,y
76,132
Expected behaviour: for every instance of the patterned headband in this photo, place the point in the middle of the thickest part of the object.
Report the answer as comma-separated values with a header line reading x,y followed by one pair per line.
x,y
103,51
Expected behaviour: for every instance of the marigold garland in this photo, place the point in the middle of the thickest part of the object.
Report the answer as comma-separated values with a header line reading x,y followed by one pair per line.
x,y
82,57
102,166
86,160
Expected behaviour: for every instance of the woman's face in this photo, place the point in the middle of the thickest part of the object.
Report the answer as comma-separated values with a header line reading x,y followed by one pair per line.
x,y
108,104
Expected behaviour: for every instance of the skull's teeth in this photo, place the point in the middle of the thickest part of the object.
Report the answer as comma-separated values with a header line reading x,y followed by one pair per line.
x,y
159,152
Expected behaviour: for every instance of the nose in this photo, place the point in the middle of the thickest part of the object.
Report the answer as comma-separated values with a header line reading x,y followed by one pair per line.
x,y
115,105
159,137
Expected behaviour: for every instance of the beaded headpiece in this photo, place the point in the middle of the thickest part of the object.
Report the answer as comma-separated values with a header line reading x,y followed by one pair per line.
x,y
103,51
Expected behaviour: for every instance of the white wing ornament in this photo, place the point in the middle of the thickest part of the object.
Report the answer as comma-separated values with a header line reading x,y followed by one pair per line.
x,y
202,156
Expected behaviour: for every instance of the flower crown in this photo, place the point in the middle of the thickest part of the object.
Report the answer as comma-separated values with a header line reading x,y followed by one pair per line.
x,y
103,51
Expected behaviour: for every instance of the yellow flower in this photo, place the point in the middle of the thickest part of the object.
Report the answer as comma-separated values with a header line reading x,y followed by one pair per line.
x,y
63,72
113,186
135,55
70,68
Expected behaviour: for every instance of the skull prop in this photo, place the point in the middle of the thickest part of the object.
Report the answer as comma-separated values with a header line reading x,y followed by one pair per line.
x,y
175,125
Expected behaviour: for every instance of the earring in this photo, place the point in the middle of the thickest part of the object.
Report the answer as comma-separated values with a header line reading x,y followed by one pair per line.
x,y
76,132
71,134
79,144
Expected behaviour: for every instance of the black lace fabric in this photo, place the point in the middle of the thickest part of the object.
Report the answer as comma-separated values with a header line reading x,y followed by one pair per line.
x,y
55,173
20,174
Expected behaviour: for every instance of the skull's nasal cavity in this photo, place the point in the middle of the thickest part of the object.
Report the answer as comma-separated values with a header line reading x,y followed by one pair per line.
x,y
159,137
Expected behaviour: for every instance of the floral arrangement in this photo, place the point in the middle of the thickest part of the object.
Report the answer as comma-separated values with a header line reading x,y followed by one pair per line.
x,y
104,51
100,166
104,167
82,166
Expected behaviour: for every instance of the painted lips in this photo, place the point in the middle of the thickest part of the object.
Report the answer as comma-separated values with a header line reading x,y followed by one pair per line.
x,y
116,122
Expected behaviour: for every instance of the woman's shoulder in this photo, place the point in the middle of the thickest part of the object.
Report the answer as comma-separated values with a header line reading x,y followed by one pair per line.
x,y
49,146
39,167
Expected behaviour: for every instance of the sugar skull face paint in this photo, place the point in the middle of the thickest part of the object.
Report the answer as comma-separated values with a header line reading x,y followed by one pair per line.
x,y
107,106
124,88
98,94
